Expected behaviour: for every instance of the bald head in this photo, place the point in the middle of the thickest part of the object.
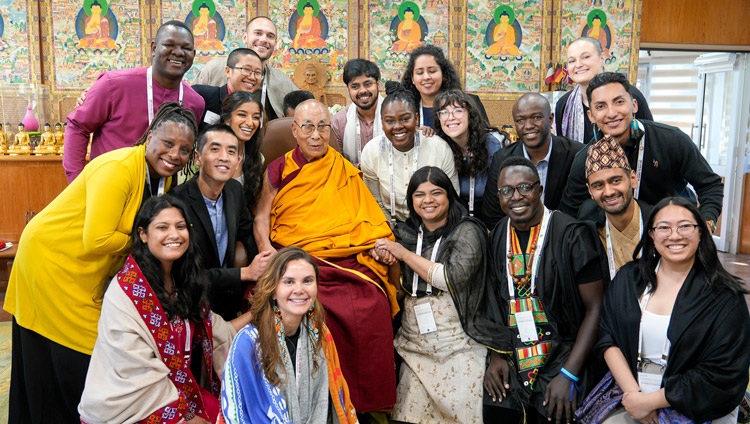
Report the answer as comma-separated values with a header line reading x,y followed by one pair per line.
x,y
312,128
532,117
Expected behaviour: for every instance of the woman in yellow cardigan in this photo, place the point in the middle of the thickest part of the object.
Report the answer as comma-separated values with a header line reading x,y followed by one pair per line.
x,y
67,254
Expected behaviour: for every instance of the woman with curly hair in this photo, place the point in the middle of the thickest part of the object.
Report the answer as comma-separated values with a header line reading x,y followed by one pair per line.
x,y
242,112
157,334
428,73
472,141
283,366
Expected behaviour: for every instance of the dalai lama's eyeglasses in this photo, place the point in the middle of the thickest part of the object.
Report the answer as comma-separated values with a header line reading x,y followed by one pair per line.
x,y
523,189
307,129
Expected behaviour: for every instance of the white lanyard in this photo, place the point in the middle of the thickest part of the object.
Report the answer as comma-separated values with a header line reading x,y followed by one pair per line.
x,y
667,344
263,91
472,181
415,279
150,94
639,165
537,256
414,149
610,250
162,183
357,135
421,114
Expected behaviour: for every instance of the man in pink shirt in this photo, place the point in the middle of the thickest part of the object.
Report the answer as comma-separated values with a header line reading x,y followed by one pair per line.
x,y
120,105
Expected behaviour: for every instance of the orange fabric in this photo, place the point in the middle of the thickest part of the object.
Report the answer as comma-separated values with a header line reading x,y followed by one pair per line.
x,y
336,384
328,211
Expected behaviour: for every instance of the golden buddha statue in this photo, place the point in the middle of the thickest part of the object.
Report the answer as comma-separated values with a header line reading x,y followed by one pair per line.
x,y
59,138
22,144
3,141
47,146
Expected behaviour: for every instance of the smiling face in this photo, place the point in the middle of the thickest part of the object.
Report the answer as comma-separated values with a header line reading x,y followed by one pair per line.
x,y
584,62
363,91
296,292
237,81
612,189
168,149
218,158
532,119
245,120
427,76
260,36
172,54
676,248
314,145
524,211
454,120
167,236
400,124
612,109
431,204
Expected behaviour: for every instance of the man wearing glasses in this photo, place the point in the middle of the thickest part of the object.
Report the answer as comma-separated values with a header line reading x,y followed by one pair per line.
x,y
553,155
315,199
244,72
545,289
261,37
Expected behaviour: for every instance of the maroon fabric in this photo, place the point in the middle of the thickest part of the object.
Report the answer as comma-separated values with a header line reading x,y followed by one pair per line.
x,y
276,169
354,310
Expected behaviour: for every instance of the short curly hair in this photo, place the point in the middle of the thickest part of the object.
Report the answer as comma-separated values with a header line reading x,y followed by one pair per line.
x,y
451,80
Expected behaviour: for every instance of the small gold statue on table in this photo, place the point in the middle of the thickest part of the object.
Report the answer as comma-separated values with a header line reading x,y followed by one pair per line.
x,y
22,145
59,138
3,141
47,146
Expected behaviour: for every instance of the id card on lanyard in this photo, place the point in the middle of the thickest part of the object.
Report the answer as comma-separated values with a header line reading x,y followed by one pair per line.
x,y
423,310
649,382
525,320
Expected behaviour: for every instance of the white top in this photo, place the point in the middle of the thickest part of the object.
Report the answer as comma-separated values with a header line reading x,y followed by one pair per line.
x,y
654,335
432,151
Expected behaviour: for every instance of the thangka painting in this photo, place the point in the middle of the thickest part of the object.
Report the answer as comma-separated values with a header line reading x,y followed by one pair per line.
x,y
217,26
90,37
505,46
613,23
15,40
312,30
397,27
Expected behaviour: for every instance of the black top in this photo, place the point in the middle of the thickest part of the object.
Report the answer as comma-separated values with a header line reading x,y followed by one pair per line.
x,y
588,133
214,97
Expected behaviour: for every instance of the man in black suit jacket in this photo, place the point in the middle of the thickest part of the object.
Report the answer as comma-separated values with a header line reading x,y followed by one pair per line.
x,y
552,155
244,73
220,219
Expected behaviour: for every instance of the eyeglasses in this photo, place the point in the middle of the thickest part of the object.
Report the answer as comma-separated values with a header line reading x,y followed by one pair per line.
x,y
307,129
457,113
523,189
249,72
684,230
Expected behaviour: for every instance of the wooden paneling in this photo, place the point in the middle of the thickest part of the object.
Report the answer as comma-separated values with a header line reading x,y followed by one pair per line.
x,y
29,184
695,22
744,245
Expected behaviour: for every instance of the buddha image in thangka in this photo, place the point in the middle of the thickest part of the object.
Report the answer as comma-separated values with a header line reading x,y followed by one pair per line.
x,y
308,28
504,34
96,27
207,25
408,27
2,30
597,27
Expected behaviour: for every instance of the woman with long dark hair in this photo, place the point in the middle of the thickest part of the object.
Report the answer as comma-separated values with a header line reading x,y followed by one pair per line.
x,y
242,112
473,142
284,364
428,73
66,255
157,334
674,329
442,251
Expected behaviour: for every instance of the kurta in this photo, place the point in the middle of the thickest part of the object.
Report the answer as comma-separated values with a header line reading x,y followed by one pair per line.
x,y
325,208
442,372
432,151
116,113
127,379
571,255
70,249
706,372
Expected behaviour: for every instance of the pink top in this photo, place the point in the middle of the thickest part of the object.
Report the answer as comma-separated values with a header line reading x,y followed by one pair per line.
x,y
115,111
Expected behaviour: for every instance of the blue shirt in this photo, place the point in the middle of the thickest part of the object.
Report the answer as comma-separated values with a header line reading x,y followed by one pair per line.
x,y
219,222
494,143
542,166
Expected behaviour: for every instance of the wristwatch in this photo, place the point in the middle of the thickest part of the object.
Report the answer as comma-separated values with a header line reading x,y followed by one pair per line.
x,y
711,225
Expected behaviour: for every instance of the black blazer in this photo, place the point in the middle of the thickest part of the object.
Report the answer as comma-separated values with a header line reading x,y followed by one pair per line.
x,y
560,160
214,97
226,286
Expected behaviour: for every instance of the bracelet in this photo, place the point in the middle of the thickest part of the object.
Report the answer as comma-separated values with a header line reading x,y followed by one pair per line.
x,y
569,375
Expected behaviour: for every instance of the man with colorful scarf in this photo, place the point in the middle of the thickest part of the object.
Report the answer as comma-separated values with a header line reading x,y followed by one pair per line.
x,y
538,310
315,199
664,158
